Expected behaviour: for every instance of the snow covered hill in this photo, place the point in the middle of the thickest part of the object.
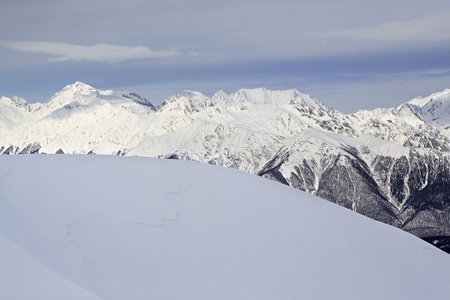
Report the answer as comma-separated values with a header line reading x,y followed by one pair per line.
x,y
390,164
141,228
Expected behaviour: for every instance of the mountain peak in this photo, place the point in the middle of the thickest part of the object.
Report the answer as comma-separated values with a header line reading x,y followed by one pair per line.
x,y
14,100
433,109
443,96
190,94
69,94
264,96
19,101
257,96
80,84
78,87
81,94
186,102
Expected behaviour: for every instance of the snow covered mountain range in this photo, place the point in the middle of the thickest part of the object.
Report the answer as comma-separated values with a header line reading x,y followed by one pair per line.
x,y
389,164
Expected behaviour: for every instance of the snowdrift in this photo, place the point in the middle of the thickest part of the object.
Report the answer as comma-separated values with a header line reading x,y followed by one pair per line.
x,y
141,228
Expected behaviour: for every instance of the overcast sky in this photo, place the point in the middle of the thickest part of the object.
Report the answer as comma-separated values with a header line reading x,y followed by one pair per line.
x,y
351,54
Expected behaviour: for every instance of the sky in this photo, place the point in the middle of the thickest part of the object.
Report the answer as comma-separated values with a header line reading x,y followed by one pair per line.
x,y
350,54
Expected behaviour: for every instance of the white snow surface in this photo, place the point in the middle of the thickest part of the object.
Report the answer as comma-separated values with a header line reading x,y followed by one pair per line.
x,y
24,278
143,228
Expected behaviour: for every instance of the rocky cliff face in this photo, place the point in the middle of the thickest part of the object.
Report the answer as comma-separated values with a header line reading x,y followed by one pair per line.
x,y
391,165
409,190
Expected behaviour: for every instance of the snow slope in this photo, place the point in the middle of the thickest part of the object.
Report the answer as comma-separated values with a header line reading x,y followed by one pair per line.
x,y
142,228
24,278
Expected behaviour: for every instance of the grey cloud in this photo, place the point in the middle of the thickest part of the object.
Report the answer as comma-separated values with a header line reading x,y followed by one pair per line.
x,y
430,28
105,53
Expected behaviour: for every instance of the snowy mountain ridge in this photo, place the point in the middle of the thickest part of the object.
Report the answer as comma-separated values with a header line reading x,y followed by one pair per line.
x,y
389,164
434,109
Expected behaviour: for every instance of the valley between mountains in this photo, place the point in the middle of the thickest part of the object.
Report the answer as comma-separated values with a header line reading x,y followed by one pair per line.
x,y
390,164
